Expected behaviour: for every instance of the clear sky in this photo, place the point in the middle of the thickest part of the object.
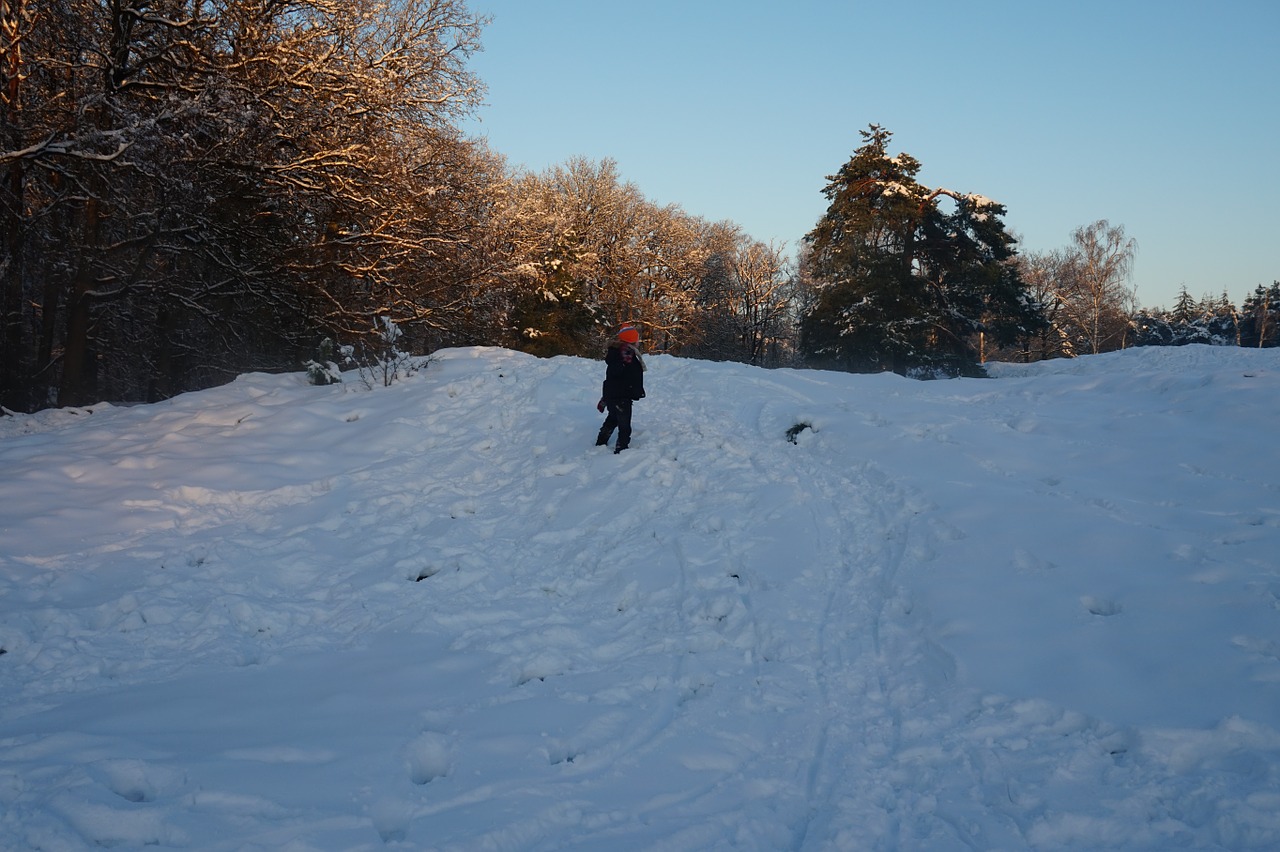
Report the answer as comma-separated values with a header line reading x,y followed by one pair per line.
x,y
1162,116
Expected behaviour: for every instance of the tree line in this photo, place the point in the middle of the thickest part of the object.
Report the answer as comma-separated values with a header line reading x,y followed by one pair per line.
x,y
926,281
193,189
1091,310
1213,320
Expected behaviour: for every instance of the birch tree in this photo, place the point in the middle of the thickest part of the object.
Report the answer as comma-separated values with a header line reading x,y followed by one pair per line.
x,y
1093,287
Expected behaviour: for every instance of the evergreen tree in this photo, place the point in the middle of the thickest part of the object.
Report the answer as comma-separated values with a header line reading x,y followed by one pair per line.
x,y
1222,329
1185,310
903,284
551,313
1260,317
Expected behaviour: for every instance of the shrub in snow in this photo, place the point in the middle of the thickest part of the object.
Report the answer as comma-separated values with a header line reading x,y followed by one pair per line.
x,y
324,370
794,432
382,362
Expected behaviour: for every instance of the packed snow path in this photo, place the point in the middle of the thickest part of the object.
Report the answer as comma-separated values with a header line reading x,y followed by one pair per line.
x,y
432,616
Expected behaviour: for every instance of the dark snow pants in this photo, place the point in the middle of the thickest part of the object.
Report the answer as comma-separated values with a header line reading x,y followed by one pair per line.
x,y
619,418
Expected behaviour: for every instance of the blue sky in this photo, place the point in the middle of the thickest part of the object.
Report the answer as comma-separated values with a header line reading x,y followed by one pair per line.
x,y
1162,116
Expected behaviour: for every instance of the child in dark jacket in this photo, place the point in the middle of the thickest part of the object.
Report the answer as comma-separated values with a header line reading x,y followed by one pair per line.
x,y
623,385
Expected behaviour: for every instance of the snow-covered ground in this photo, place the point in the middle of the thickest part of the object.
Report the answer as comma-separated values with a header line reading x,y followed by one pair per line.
x,y
1040,611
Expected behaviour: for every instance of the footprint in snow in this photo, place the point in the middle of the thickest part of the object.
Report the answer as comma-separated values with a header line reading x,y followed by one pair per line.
x,y
1101,606
1026,562
1261,647
392,819
429,756
135,780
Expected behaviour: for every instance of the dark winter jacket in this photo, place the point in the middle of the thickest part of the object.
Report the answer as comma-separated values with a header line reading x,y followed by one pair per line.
x,y
623,375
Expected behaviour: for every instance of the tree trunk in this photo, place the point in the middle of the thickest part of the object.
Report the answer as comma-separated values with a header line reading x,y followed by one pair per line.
x,y
76,387
12,391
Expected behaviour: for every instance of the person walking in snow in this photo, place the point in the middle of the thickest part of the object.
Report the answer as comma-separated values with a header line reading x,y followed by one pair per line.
x,y
623,385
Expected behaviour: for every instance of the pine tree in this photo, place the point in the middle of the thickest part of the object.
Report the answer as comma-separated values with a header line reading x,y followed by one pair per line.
x,y
1185,310
551,314
905,285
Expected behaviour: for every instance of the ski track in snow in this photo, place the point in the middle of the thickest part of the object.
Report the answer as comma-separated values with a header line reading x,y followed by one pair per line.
x,y
847,726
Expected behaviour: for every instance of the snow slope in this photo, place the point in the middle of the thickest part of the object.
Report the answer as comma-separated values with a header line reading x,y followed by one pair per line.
x,y
1040,611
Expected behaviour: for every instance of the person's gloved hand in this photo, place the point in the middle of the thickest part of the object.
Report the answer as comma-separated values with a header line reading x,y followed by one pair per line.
x,y
600,406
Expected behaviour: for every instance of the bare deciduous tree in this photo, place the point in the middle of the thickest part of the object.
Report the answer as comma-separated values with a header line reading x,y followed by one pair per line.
x,y
747,303
1045,275
592,253
220,177
1093,286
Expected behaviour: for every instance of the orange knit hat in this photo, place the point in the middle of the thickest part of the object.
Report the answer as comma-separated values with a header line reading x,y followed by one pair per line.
x,y
628,334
